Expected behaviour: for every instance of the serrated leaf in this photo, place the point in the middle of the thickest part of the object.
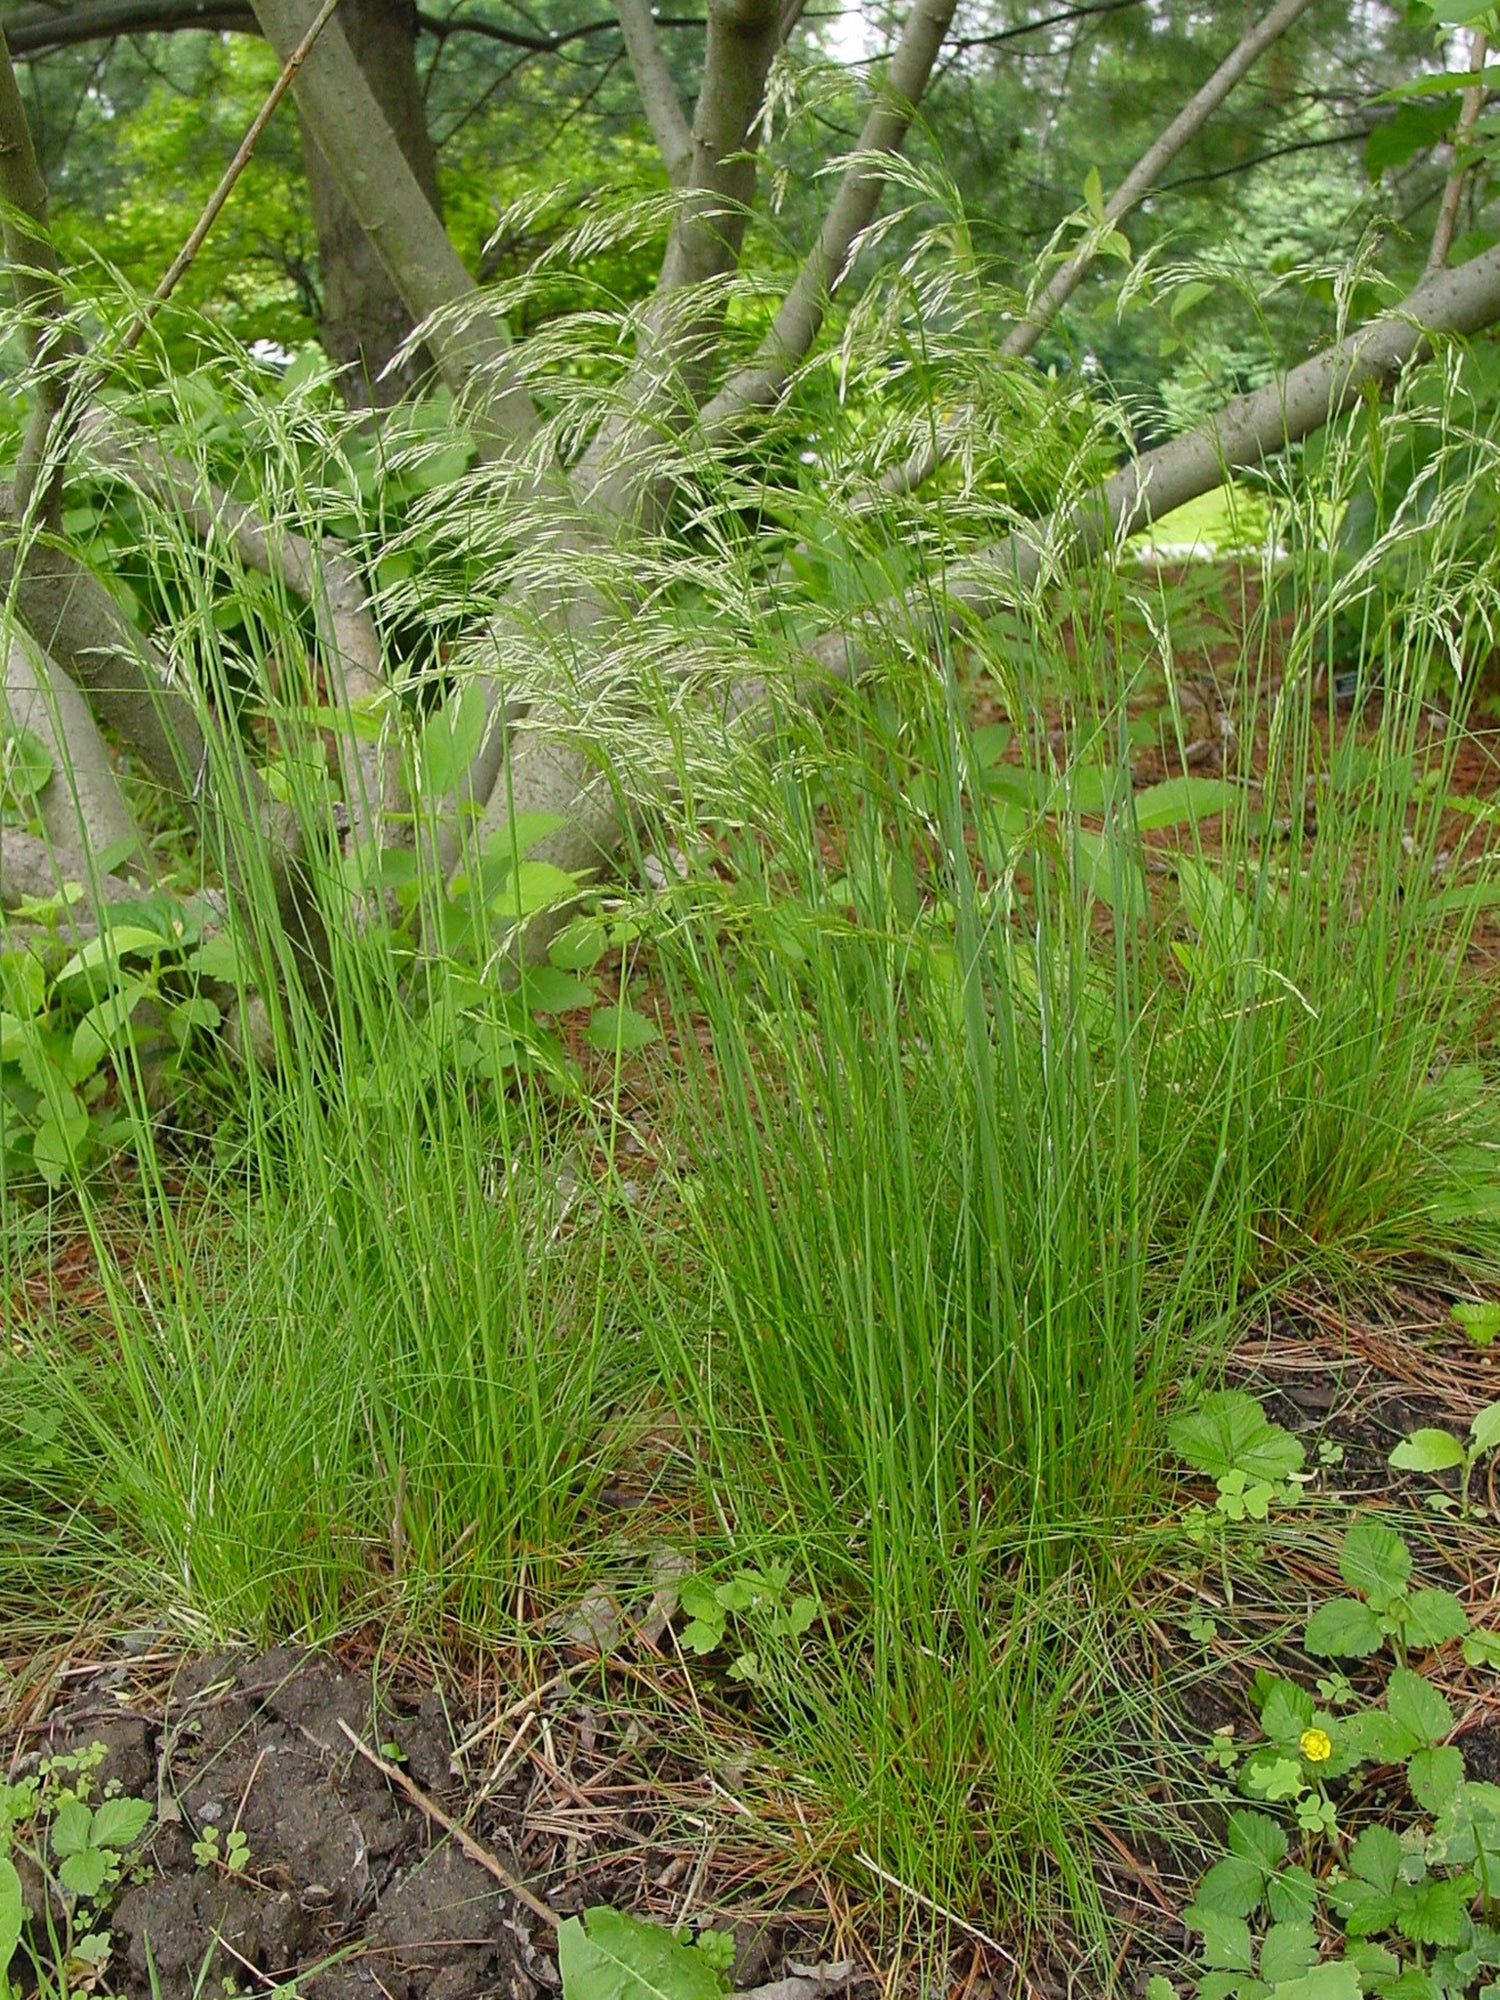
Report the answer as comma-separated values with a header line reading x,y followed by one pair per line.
x,y
450,740
1428,1451
1287,1952
1338,1979
1256,1837
1292,1895
1375,1858
1226,1940
83,1873
1415,1706
1228,1432
1437,1911
1233,1886
119,1823
57,1143
1286,1711
549,990
1434,1776
70,1827
1431,1618
1479,1318
578,946
1343,1629
610,1956
1374,1560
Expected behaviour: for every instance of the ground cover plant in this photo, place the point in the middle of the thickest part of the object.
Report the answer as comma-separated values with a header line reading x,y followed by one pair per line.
x,y
662,1015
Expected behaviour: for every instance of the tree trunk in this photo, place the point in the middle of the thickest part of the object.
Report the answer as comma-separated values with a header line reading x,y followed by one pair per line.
x,y
364,319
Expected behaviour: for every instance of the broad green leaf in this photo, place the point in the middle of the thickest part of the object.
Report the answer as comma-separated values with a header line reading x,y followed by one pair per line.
x,y
111,945
220,958
25,765
1343,1629
1256,1837
1484,1432
1433,1776
1292,1896
1338,1979
1226,1940
609,1956
619,1027
1229,1431
1458,13
56,1144
1177,800
23,985
1431,1618
84,1872
515,840
1413,129
1437,1911
1416,1706
1428,1451
535,885
70,1827
450,740
1374,1560
119,1823
1233,1886
1111,874
1286,1711
1287,1952
579,945
103,1023
12,1912
549,990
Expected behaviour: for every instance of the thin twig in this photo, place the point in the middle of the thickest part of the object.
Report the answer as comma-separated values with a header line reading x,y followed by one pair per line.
x,y
230,175
517,1708
1473,104
394,1775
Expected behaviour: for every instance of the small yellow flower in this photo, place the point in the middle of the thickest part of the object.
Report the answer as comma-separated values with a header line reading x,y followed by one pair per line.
x,y
1316,1746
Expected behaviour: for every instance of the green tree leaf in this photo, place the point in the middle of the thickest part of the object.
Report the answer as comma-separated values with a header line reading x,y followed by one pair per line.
x,y
619,1027
25,765
609,1956
1484,1432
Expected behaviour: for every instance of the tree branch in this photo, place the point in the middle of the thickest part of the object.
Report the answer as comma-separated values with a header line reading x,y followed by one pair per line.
x,y
658,92
324,577
51,343
680,329
546,774
471,347
802,312
1147,170
1473,104
82,810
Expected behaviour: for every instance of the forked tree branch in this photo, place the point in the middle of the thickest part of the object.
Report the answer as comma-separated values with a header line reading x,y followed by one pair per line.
x,y
850,213
658,91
